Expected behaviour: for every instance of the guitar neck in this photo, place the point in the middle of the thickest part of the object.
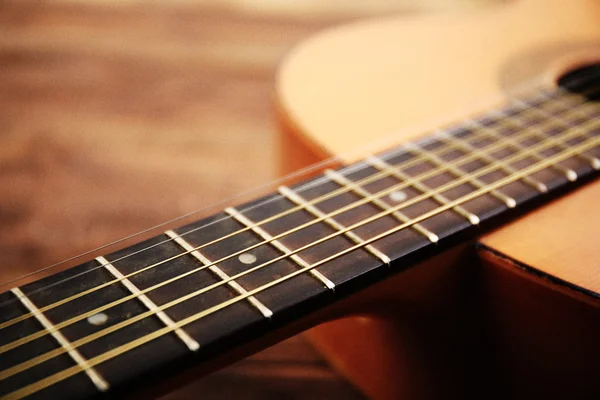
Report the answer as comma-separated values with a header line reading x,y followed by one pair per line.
x,y
194,293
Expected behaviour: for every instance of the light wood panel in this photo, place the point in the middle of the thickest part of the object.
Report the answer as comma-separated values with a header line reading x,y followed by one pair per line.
x,y
560,239
384,81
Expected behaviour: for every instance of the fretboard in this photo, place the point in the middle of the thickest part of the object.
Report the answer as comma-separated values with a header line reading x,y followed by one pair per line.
x,y
188,295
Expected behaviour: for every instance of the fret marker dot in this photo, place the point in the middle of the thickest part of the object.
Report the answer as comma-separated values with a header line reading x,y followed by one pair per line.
x,y
247,258
97,319
398,196
474,219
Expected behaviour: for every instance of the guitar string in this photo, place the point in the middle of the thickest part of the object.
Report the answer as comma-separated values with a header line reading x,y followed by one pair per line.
x,y
305,186
289,211
301,188
302,172
64,374
102,308
595,161
375,176
33,336
28,364
538,93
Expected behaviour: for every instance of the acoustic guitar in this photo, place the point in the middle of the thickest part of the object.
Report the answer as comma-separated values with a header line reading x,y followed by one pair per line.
x,y
418,258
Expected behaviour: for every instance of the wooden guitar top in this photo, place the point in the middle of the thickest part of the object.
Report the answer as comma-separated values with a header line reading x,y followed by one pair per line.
x,y
373,84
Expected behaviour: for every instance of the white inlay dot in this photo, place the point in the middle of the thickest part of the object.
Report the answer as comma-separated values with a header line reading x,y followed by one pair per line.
x,y
247,258
97,319
398,196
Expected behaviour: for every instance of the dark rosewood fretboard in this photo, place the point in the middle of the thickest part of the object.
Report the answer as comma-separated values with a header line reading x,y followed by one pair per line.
x,y
186,296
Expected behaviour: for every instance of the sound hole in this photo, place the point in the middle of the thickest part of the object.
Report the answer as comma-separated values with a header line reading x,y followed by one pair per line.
x,y
584,81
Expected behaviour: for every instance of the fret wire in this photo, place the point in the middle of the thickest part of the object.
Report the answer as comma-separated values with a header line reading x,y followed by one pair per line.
x,y
296,198
458,172
177,301
543,163
384,192
314,201
264,310
400,216
464,145
32,388
145,300
328,195
99,287
322,198
80,361
558,103
102,308
279,246
594,161
440,198
568,172
580,100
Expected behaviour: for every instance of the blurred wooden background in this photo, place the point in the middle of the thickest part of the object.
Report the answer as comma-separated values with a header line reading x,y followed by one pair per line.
x,y
118,115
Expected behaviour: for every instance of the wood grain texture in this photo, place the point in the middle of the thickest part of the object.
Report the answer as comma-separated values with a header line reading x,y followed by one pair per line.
x,y
117,116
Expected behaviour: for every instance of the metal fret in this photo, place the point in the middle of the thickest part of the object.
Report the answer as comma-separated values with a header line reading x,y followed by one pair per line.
x,y
577,104
221,306
463,144
185,338
296,198
219,272
456,171
279,245
440,198
342,180
594,161
98,380
569,173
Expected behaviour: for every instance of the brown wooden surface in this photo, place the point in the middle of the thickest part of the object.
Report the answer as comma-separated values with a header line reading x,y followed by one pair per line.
x,y
117,116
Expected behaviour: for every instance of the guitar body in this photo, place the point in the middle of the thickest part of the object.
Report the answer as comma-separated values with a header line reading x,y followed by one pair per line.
x,y
518,312
402,292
